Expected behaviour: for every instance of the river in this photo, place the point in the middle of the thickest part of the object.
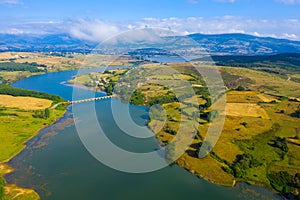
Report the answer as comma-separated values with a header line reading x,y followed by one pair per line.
x,y
57,165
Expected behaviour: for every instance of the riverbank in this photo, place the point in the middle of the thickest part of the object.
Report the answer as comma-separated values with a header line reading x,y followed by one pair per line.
x,y
255,122
18,126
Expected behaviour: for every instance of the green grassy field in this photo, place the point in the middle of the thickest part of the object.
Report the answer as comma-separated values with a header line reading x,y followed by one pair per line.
x,y
16,127
260,136
264,82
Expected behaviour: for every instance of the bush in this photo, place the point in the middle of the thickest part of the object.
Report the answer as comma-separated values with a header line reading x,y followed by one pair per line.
x,y
31,67
162,100
170,131
43,114
280,180
245,124
242,163
296,114
137,98
240,88
281,143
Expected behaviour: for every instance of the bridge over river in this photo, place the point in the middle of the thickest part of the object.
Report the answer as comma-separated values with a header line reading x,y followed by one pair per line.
x,y
91,99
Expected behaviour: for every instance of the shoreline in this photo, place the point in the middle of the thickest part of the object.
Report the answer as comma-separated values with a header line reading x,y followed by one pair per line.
x,y
234,183
6,168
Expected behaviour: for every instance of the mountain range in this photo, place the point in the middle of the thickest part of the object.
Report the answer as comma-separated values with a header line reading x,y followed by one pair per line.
x,y
218,44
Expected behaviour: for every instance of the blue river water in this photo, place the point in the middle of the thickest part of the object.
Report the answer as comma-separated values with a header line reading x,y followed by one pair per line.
x,y
57,165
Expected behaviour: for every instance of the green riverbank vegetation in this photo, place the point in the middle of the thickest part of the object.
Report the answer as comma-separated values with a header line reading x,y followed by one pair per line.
x,y
18,125
260,141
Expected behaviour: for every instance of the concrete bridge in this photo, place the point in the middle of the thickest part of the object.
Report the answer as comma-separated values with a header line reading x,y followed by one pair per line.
x,y
91,99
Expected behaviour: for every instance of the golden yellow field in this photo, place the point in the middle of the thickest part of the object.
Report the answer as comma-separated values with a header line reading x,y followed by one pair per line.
x,y
267,98
245,109
24,103
5,56
242,97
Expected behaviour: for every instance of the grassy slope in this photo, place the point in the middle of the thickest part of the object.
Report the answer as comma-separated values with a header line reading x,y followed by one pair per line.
x,y
265,82
16,127
236,139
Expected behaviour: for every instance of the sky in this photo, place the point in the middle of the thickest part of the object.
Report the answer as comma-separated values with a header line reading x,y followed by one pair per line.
x,y
98,19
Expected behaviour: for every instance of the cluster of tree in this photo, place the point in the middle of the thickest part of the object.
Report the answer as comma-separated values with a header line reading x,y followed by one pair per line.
x,y
170,131
240,88
296,113
245,124
203,91
209,116
241,164
31,67
280,143
137,98
43,114
285,183
288,61
162,99
109,89
8,90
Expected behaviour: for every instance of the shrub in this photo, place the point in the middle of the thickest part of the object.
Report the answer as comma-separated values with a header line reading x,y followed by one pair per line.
x,y
280,180
242,163
43,114
240,88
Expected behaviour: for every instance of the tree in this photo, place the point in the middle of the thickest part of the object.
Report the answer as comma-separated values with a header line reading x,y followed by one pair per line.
x,y
296,114
240,88
47,113
43,114
245,124
280,180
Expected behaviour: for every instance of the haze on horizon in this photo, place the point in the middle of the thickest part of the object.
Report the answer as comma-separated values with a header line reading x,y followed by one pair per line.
x,y
97,20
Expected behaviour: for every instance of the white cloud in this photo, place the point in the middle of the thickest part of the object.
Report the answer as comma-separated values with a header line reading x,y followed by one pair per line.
x,y
99,30
93,30
228,24
290,36
289,1
11,2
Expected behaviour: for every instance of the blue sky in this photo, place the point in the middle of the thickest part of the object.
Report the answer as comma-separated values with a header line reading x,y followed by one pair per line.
x,y
277,18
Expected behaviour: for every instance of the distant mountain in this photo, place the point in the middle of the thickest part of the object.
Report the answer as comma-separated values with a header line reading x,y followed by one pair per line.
x,y
43,43
222,44
242,44
278,64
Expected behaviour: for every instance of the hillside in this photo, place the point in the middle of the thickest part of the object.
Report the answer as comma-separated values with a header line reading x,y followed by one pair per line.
x,y
222,44
242,44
